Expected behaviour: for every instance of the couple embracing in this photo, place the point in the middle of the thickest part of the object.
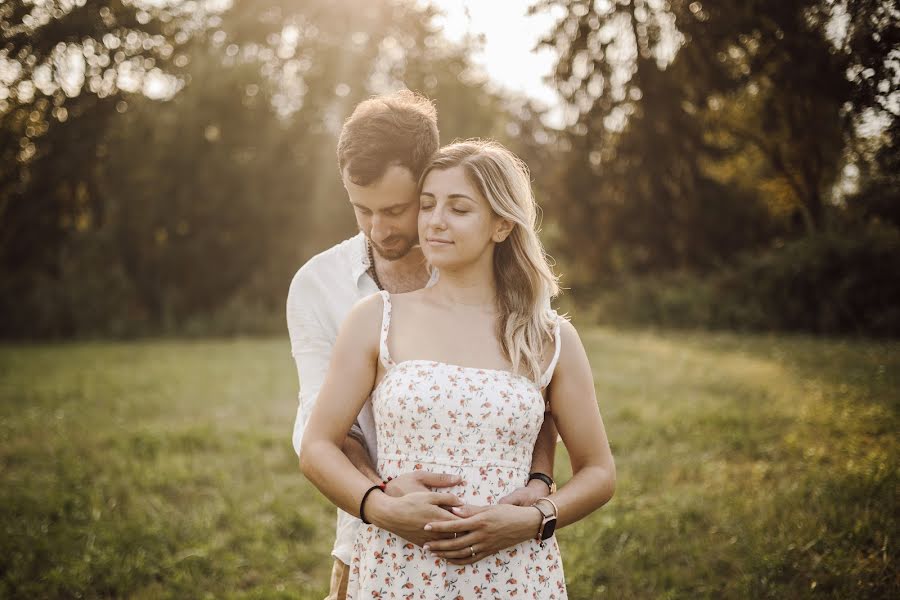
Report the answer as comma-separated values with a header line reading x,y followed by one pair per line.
x,y
434,375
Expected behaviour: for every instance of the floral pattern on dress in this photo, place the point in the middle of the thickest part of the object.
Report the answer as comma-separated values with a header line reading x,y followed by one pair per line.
x,y
480,424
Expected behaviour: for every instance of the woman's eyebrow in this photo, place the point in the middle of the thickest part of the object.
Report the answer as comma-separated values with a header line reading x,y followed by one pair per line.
x,y
455,196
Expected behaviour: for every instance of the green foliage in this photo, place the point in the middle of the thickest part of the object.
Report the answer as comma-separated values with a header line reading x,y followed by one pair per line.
x,y
78,299
141,215
178,185
872,35
61,81
827,284
701,130
748,467
878,200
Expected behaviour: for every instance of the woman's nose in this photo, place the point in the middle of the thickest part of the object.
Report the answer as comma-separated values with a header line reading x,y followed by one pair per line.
x,y
436,219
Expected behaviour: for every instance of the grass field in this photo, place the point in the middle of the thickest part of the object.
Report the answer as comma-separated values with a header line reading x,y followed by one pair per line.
x,y
748,467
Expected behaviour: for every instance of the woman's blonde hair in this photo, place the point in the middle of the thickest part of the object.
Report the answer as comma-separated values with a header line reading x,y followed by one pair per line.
x,y
524,280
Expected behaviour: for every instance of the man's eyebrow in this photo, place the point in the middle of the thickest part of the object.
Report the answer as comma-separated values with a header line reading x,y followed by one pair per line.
x,y
398,205
386,208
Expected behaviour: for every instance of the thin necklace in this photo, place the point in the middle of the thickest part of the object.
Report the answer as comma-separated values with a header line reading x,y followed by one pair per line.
x,y
372,270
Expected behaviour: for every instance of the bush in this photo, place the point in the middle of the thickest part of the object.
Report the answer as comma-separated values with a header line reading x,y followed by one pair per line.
x,y
88,295
830,283
91,296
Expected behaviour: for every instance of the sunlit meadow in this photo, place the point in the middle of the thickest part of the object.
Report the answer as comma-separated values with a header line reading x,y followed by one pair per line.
x,y
748,467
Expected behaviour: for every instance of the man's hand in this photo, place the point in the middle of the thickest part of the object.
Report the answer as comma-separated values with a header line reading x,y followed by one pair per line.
x,y
406,516
527,495
420,481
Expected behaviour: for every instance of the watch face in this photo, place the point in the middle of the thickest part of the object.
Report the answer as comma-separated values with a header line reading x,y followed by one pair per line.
x,y
549,528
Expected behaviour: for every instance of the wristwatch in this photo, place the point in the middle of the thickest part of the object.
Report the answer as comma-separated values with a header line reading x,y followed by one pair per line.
x,y
548,524
546,479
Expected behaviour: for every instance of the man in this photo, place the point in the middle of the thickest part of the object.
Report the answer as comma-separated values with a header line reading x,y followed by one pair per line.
x,y
383,149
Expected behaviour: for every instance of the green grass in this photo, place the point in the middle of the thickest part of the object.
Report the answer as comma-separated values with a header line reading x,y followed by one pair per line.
x,y
749,467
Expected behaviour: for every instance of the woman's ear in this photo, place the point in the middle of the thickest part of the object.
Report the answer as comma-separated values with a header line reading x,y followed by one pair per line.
x,y
502,230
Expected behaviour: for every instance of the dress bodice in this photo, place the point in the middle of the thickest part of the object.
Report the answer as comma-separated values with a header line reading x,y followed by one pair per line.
x,y
439,414
450,415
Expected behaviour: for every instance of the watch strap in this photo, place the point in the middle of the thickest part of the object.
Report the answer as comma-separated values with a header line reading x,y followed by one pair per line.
x,y
549,501
549,515
545,478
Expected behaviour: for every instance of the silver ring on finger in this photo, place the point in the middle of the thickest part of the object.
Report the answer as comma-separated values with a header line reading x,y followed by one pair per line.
x,y
472,550
454,535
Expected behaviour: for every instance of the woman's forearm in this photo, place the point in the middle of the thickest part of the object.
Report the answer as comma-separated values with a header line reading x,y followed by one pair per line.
x,y
329,469
590,488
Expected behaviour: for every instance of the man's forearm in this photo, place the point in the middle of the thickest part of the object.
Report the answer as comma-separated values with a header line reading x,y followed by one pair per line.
x,y
544,454
542,458
359,456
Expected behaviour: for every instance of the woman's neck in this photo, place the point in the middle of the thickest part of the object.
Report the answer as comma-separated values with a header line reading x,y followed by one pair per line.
x,y
472,287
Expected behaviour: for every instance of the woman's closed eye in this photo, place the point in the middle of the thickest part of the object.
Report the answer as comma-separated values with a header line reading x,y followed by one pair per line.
x,y
429,204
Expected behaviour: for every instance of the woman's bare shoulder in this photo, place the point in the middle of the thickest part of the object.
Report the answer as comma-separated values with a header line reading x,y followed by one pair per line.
x,y
572,351
363,322
409,300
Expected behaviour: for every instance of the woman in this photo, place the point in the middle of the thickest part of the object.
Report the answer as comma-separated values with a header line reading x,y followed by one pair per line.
x,y
459,375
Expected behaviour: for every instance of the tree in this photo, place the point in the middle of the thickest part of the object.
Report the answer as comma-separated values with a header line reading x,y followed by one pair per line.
x,y
68,66
188,197
665,96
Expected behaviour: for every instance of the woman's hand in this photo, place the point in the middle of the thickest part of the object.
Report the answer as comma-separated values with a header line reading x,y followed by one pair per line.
x,y
484,530
407,515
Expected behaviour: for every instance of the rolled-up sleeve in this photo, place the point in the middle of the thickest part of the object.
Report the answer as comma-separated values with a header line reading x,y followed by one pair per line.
x,y
312,340
311,345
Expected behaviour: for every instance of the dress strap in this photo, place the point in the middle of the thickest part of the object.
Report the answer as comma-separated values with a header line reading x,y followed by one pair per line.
x,y
548,374
384,354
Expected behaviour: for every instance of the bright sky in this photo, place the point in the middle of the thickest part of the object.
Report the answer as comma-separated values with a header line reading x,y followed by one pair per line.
x,y
507,54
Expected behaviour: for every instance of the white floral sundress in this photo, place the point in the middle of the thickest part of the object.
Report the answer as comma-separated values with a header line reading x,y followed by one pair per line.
x,y
478,423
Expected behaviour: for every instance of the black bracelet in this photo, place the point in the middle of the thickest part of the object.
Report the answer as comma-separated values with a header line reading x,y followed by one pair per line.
x,y
362,503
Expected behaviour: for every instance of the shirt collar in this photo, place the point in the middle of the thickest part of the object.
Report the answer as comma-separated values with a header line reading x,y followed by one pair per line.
x,y
359,258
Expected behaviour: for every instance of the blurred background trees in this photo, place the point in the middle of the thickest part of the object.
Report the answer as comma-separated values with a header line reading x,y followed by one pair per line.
x,y
712,147
167,166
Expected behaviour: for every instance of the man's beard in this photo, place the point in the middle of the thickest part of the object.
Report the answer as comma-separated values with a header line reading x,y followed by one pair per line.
x,y
399,246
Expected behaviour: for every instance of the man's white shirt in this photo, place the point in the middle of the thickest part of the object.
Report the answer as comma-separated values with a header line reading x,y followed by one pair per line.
x,y
321,295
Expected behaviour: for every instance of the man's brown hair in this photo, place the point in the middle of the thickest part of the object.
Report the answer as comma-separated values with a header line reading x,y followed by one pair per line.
x,y
396,129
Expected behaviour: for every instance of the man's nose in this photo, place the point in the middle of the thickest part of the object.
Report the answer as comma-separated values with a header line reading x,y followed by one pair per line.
x,y
379,227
